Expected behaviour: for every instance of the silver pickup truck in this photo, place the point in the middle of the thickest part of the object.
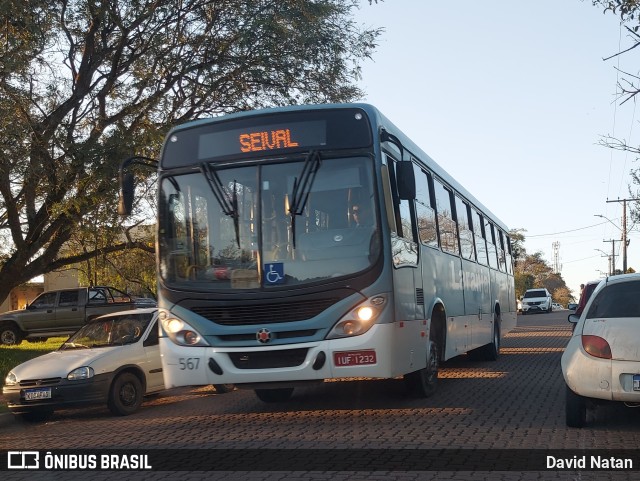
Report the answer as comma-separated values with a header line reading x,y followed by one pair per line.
x,y
60,313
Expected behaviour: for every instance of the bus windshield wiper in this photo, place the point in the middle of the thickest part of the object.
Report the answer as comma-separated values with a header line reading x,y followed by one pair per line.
x,y
228,203
302,189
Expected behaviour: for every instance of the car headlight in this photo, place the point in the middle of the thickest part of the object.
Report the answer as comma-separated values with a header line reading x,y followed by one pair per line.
x,y
179,331
11,379
360,319
81,373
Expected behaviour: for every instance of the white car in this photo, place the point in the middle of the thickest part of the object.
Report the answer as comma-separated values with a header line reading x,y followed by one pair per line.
x,y
602,359
536,300
114,359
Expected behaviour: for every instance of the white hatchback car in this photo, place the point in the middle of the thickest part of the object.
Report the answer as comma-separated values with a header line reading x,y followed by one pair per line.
x,y
114,359
602,360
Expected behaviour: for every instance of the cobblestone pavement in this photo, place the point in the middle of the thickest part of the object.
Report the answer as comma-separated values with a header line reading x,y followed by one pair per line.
x,y
512,404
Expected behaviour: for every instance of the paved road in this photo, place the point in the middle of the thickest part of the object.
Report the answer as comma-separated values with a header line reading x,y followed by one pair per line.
x,y
516,402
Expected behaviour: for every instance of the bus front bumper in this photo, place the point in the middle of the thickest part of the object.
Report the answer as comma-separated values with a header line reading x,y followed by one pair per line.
x,y
369,355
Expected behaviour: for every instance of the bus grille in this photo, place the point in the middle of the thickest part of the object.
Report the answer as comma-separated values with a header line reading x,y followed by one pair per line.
x,y
268,359
252,314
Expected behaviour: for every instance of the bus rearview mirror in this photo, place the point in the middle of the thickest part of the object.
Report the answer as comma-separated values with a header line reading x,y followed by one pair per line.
x,y
406,181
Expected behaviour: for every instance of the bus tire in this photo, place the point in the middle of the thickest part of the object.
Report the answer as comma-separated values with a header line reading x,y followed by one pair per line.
x,y
424,382
125,396
491,351
274,395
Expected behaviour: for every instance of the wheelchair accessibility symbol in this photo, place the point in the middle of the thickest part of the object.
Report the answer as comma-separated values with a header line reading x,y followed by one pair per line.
x,y
274,273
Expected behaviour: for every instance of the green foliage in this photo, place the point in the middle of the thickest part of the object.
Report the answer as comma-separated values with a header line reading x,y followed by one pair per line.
x,y
85,84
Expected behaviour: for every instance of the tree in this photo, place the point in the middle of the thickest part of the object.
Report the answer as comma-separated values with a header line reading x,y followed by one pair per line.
x,y
86,83
531,271
629,83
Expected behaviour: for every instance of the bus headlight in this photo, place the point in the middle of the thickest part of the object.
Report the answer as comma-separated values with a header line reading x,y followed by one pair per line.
x,y
359,320
180,332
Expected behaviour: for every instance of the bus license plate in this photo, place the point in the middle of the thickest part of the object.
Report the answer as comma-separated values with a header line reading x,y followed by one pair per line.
x,y
354,358
636,382
40,393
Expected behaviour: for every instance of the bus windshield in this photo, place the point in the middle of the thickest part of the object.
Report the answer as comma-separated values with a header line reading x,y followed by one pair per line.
x,y
231,227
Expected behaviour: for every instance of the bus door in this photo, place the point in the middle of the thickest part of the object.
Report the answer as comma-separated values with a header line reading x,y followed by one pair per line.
x,y
407,277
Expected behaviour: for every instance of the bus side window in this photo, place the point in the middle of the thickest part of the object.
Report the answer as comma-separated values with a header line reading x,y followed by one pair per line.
x,y
491,244
425,215
507,245
447,226
402,209
479,236
502,260
466,235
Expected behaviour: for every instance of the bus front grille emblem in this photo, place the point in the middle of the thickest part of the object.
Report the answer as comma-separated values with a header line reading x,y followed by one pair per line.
x,y
263,336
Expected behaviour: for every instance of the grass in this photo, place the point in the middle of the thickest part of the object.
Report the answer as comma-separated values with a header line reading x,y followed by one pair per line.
x,y
11,356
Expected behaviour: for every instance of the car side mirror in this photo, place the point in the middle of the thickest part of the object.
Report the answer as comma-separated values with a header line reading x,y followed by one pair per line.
x,y
573,319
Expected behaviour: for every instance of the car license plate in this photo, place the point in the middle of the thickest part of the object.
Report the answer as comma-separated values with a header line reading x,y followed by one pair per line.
x,y
39,393
636,382
354,358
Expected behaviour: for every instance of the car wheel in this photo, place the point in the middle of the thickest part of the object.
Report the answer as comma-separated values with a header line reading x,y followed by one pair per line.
x,y
424,382
125,396
274,395
224,388
575,409
37,416
10,334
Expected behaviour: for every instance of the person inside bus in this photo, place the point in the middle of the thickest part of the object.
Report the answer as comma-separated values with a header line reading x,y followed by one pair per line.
x,y
361,215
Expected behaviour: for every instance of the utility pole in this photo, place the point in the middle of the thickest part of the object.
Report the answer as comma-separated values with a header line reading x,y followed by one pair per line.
x,y
556,257
613,255
625,242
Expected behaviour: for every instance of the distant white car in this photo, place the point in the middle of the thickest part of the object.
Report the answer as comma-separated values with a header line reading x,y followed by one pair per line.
x,y
536,300
557,307
114,359
602,361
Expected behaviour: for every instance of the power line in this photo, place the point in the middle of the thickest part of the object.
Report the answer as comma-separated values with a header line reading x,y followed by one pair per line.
x,y
565,231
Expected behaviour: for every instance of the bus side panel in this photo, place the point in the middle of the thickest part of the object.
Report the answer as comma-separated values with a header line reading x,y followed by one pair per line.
x,y
500,293
442,281
478,303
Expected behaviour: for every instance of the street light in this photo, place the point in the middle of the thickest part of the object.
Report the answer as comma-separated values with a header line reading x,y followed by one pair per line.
x,y
625,243
609,257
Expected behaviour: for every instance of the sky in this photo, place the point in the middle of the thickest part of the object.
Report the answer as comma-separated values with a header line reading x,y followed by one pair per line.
x,y
513,98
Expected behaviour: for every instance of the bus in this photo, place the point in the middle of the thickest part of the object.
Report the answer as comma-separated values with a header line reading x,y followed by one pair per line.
x,y
309,243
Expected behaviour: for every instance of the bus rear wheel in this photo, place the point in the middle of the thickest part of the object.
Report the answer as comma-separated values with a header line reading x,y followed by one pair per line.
x,y
274,395
423,383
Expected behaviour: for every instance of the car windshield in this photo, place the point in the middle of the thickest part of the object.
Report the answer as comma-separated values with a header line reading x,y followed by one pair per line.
x,y
530,294
616,300
267,226
109,331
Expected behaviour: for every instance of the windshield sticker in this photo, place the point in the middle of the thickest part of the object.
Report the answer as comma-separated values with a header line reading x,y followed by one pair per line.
x,y
274,273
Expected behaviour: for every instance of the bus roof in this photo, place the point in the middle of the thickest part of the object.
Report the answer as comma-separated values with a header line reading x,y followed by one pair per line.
x,y
380,121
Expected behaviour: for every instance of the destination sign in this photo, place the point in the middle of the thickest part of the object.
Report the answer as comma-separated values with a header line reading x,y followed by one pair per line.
x,y
259,135
263,138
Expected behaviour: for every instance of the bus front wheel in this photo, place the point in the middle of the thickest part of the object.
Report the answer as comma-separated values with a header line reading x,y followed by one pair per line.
x,y
423,383
274,395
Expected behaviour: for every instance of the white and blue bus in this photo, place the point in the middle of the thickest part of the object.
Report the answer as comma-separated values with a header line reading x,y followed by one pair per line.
x,y
316,242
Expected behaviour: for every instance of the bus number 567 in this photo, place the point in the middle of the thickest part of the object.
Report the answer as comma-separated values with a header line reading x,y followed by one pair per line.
x,y
188,363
